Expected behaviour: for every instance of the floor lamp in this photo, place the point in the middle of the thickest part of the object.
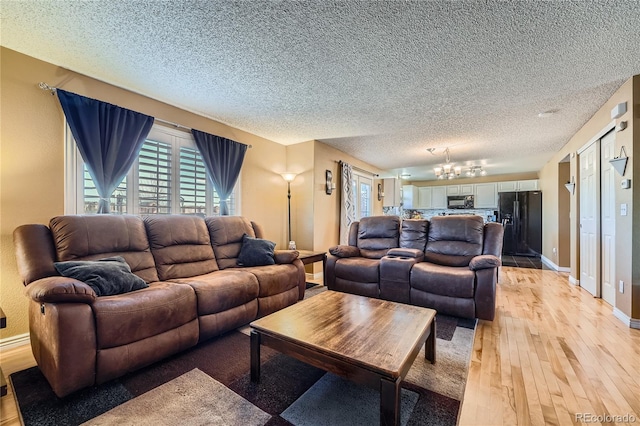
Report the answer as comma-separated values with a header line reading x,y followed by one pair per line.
x,y
289,177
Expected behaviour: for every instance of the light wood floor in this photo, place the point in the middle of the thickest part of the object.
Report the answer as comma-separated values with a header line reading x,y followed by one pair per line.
x,y
552,352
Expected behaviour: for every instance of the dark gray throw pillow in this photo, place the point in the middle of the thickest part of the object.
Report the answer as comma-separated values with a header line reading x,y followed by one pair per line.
x,y
106,277
256,252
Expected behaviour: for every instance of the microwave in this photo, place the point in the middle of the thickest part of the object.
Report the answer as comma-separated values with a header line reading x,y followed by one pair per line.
x,y
460,202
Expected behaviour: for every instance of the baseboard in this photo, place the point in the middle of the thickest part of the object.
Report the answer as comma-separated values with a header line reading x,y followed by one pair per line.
x,y
553,266
573,280
628,321
14,341
622,317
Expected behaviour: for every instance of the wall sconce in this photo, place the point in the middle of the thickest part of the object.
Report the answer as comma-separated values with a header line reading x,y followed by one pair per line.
x,y
620,163
329,185
571,186
380,193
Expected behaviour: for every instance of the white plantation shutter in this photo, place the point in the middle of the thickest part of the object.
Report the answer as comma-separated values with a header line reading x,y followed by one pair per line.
x,y
154,178
193,182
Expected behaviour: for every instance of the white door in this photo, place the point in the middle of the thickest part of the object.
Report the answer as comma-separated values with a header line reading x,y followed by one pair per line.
x,y
608,218
589,246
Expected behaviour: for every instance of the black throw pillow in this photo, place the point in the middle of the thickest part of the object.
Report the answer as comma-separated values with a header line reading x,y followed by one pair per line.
x,y
106,277
256,252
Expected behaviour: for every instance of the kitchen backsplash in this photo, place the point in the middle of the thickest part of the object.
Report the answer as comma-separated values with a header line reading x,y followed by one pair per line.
x,y
487,215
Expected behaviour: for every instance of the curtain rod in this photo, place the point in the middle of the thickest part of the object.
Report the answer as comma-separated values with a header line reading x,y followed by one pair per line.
x,y
44,86
360,169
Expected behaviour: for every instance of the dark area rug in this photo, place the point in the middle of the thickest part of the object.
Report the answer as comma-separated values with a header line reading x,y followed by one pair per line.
x,y
283,381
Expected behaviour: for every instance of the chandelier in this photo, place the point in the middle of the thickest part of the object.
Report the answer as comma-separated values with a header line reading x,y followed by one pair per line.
x,y
447,170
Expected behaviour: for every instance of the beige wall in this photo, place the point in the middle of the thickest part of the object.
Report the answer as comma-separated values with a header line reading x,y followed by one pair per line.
x,y
300,160
564,223
32,161
627,235
315,214
327,207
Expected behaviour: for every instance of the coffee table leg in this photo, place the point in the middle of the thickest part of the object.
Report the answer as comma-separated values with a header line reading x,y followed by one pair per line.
x,y
430,344
255,356
390,402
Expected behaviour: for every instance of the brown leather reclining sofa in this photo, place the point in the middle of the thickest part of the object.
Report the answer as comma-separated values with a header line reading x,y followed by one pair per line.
x,y
448,263
195,291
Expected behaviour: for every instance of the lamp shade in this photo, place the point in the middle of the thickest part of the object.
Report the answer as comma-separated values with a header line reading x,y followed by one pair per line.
x,y
288,176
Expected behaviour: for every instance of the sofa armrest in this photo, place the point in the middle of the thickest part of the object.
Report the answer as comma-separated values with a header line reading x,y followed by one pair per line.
x,y
60,289
285,256
395,277
345,251
485,261
406,252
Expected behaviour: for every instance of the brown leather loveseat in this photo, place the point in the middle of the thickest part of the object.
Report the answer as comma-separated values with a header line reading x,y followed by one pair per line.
x,y
195,291
448,263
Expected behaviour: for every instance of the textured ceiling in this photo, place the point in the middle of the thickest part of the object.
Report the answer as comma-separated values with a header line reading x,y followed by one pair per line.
x,y
379,80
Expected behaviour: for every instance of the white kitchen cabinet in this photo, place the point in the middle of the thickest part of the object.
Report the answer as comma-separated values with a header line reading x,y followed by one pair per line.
x,y
518,185
424,197
392,196
486,196
510,186
438,197
453,189
410,197
528,185
466,189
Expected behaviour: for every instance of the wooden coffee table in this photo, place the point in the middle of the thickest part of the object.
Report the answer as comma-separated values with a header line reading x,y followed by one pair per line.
x,y
369,341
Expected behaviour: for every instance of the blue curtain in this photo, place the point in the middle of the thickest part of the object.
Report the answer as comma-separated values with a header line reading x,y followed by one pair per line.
x,y
223,160
109,139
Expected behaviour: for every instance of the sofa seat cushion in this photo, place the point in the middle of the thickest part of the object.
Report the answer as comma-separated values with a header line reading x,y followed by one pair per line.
x,y
358,269
222,290
443,280
274,279
130,317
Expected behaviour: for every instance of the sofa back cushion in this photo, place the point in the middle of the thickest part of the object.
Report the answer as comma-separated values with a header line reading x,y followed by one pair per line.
x,y
378,234
454,240
180,245
91,237
226,237
414,233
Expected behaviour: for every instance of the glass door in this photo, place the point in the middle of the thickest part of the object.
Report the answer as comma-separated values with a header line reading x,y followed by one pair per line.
x,y
363,190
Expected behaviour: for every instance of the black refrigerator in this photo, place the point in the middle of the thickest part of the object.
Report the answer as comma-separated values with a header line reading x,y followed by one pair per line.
x,y
521,215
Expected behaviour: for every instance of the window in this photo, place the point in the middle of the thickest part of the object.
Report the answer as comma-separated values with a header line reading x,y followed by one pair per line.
x,y
169,177
362,192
